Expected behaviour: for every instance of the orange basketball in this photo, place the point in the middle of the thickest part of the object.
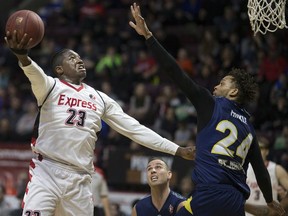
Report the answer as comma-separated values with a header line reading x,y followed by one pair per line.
x,y
29,22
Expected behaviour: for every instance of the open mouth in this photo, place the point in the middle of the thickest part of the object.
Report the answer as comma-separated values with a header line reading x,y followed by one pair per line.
x,y
154,178
81,68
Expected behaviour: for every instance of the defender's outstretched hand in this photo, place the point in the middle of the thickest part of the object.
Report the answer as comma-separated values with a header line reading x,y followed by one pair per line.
x,y
140,24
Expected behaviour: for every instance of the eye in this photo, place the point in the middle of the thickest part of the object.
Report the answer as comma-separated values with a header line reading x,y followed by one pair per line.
x,y
71,57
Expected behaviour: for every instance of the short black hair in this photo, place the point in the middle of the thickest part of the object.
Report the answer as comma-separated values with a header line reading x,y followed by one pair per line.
x,y
57,59
158,158
245,83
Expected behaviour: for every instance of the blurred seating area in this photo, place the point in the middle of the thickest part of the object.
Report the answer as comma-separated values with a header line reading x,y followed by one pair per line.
x,y
207,37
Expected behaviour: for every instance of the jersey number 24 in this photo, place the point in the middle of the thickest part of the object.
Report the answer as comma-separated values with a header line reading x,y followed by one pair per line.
x,y
223,147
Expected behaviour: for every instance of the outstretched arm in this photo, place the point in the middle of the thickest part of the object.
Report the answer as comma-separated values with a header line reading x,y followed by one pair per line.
x,y
40,82
131,128
200,97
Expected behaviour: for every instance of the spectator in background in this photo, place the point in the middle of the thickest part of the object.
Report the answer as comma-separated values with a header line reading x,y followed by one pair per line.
x,y
166,125
91,12
25,123
100,194
116,210
22,180
183,133
108,64
6,133
140,104
281,144
228,23
7,203
186,186
4,205
2,99
185,62
278,176
14,111
90,52
145,67
280,88
162,200
167,97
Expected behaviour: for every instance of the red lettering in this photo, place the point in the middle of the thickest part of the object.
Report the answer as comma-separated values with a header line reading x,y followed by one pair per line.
x,y
68,101
72,102
84,104
61,99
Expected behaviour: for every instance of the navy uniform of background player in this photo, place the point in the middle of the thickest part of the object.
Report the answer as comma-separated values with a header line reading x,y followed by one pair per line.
x,y
226,141
162,200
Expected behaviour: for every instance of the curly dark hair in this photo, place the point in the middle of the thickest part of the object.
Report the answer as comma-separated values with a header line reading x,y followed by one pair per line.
x,y
245,83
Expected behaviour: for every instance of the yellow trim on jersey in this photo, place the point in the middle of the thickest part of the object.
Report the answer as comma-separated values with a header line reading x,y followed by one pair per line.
x,y
187,205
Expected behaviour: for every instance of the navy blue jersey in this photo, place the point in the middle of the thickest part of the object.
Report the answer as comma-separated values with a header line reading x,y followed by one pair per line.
x,y
222,147
145,207
226,141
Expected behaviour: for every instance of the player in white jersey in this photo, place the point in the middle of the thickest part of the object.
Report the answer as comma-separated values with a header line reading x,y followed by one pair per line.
x,y
66,128
278,176
264,210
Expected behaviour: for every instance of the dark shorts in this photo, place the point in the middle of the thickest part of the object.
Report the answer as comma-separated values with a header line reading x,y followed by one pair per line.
x,y
98,211
214,200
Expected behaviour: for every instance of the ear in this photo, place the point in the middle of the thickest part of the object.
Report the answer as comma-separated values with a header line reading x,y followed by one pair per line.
x,y
59,70
169,175
233,92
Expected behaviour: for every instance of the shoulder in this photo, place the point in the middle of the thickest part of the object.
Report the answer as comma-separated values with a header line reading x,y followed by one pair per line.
x,y
144,199
177,195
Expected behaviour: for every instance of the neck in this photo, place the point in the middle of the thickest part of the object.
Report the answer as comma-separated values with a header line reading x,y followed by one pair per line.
x,y
159,195
76,82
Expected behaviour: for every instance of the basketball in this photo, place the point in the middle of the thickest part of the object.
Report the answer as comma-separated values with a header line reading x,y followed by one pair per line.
x,y
29,22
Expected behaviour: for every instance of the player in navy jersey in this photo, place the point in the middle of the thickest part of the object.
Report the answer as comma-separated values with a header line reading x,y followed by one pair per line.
x,y
66,130
226,141
162,200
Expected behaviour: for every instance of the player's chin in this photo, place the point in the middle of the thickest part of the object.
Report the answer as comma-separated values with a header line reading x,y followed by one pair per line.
x,y
82,72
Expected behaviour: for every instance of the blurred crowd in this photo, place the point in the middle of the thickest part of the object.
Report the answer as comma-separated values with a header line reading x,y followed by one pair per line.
x,y
207,37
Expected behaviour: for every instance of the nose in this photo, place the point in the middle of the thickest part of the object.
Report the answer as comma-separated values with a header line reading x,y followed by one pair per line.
x,y
79,60
153,170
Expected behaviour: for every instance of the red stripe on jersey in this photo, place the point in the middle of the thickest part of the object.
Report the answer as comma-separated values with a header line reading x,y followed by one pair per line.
x,y
33,141
68,84
26,191
32,164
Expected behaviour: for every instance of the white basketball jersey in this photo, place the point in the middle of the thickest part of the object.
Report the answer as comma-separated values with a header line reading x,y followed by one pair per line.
x,y
70,118
256,196
68,122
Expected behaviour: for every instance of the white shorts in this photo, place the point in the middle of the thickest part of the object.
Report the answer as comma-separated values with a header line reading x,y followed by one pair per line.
x,y
56,189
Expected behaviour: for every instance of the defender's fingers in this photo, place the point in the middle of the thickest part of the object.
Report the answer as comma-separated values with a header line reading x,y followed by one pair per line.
x,y
132,11
132,24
